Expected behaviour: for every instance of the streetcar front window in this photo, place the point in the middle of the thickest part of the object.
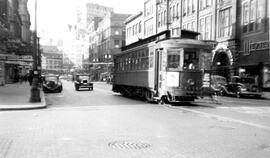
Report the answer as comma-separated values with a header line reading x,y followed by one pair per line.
x,y
191,60
174,59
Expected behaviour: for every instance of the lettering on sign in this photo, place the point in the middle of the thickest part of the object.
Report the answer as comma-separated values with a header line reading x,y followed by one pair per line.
x,y
263,45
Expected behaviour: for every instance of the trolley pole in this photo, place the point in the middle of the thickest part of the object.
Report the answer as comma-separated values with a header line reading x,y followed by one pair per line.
x,y
35,91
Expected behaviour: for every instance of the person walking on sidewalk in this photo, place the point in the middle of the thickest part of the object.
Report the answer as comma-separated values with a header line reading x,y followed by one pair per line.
x,y
21,79
30,78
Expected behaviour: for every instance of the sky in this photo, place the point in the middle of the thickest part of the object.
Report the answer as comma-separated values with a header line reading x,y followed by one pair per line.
x,y
54,15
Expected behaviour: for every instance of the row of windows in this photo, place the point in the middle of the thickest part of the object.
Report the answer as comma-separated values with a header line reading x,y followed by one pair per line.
x,y
148,8
251,16
134,30
189,6
148,27
162,18
139,60
225,23
106,44
190,26
205,28
205,25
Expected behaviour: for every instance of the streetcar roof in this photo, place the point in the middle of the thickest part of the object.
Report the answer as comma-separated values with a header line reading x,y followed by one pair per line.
x,y
183,43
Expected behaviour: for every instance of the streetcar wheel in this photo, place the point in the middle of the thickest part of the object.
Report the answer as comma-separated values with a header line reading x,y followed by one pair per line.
x,y
148,96
163,100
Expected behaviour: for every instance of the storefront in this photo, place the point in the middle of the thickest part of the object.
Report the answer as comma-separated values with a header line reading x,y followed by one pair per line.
x,y
14,66
255,61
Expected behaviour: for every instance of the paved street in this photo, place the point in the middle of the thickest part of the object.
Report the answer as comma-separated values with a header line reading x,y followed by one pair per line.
x,y
103,124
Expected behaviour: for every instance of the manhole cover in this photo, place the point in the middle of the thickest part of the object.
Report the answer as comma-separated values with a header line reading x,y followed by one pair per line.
x,y
128,145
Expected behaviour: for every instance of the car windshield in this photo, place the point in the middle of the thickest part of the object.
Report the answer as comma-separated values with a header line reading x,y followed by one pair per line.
x,y
51,78
83,77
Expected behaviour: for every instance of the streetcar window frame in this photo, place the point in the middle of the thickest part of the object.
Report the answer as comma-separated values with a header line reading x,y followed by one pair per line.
x,y
191,59
175,52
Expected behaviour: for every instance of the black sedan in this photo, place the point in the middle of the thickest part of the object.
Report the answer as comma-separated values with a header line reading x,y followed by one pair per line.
x,y
51,83
239,90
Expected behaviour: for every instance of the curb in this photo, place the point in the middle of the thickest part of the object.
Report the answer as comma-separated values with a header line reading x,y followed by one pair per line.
x,y
30,106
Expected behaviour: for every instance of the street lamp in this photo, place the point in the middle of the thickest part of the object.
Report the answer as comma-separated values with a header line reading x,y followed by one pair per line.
x,y
35,92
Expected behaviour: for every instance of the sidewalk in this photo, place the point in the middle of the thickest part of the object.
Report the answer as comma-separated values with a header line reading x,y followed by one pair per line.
x,y
16,97
266,95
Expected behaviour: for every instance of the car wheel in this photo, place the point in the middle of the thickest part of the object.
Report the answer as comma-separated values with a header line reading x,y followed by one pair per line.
x,y
222,92
237,95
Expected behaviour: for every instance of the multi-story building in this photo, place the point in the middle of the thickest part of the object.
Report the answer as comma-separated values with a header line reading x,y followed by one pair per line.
x,y
134,31
111,36
15,35
149,18
254,52
86,13
93,40
52,59
106,37
226,36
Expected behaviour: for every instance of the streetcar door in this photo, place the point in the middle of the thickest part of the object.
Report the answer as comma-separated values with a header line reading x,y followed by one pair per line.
x,y
159,68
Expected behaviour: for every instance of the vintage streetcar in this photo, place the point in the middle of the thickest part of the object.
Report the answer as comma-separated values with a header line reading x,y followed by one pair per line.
x,y
163,69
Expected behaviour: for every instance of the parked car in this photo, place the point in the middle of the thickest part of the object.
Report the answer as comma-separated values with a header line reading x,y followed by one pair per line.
x,y
215,87
238,90
83,81
217,82
51,83
250,83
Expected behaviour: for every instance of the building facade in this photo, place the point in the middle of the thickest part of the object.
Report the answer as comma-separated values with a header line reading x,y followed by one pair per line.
x,y
134,29
15,40
52,59
254,53
106,37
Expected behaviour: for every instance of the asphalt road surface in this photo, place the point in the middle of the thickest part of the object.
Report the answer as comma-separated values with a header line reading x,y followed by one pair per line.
x,y
102,124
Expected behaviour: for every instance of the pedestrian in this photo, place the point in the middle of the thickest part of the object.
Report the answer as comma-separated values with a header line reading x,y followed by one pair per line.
x,y
21,79
25,78
214,98
30,78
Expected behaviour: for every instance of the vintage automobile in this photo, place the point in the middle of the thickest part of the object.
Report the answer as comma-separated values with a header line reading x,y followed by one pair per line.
x,y
216,83
83,81
51,83
250,83
238,90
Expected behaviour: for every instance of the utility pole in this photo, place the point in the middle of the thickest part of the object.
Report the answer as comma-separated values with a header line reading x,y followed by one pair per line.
x,y
35,91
